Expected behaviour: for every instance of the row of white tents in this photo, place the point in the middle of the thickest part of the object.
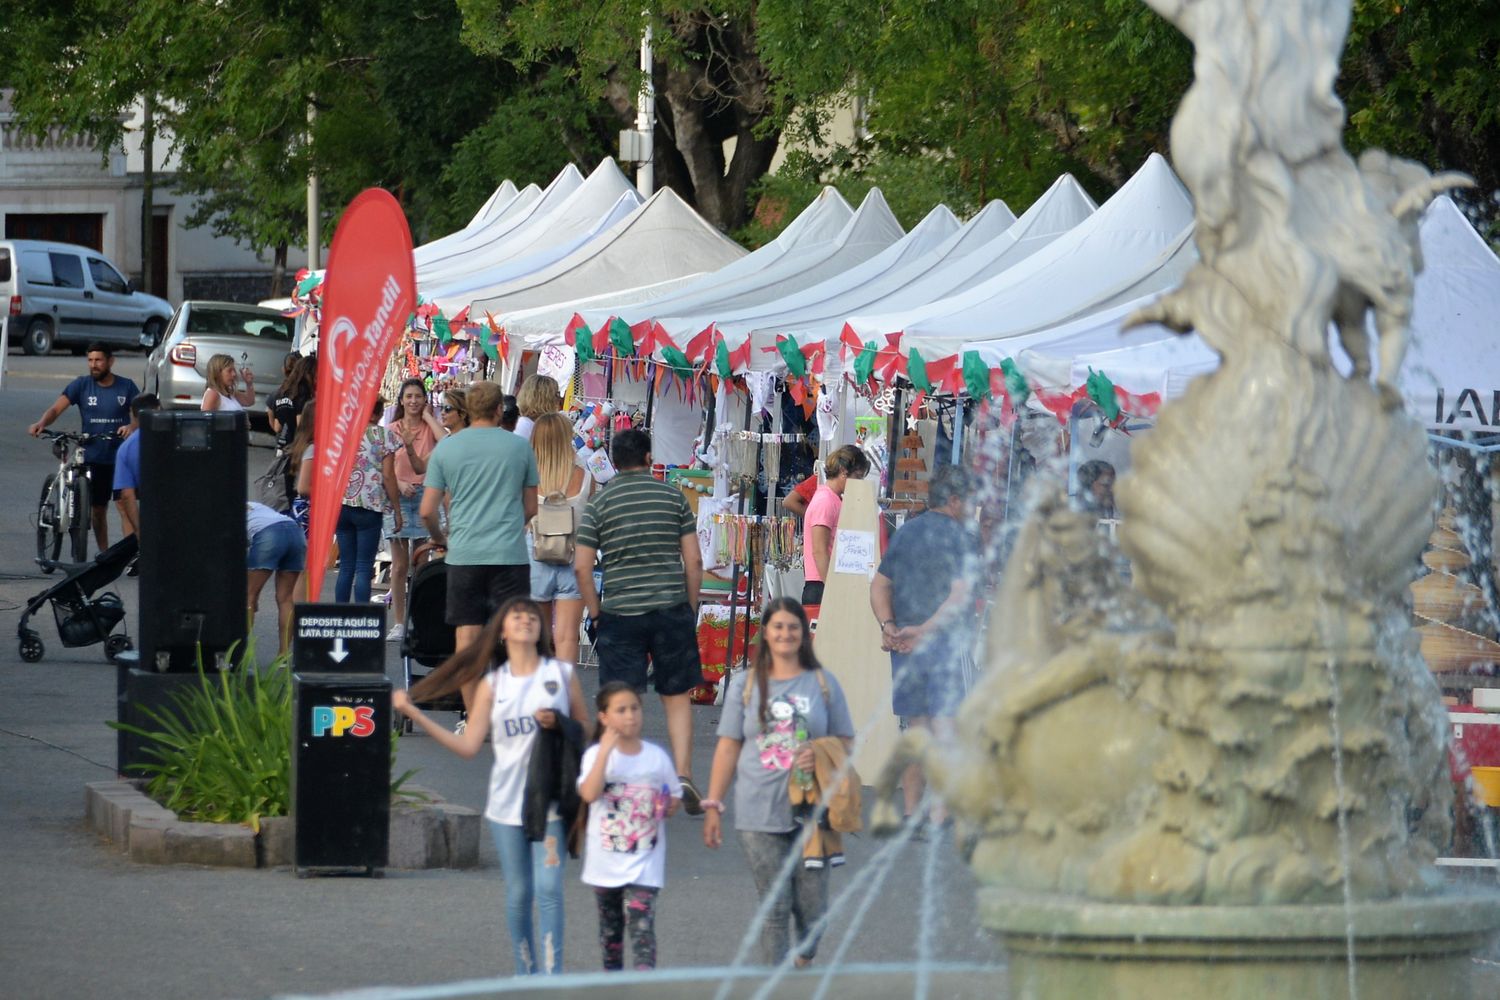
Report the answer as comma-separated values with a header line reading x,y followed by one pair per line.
x,y
1049,289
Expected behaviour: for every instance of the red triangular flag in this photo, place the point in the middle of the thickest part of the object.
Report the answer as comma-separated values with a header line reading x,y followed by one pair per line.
x,y
701,344
849,342
574,325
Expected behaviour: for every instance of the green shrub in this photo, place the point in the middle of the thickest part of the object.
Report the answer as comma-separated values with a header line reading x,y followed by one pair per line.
x,y
224,754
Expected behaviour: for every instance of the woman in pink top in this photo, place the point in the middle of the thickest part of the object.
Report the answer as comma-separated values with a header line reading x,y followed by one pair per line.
x,y
418,428
822,518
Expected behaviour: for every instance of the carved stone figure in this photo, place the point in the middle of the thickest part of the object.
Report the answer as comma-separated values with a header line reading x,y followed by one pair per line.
x,y
1250,720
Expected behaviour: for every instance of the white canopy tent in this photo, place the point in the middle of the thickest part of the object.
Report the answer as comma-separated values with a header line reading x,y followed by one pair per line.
x,y
475,249
513,209
540,317
495,203
1451,376
869,231
600,203
662,241
970,257
834,299
1127,242
539,314
937,228
498,201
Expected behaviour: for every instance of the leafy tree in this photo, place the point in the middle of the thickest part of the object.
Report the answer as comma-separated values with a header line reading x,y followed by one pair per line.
x,y
1419,79
711,84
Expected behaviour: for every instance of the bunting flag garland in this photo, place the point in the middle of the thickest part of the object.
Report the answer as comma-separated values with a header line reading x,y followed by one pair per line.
x,y
723,361
701,345
501,350
620,338
1016,386
864,364
849,342
944,374
893,361
582,338
1102,391
976,376
916,371
791,353
440,327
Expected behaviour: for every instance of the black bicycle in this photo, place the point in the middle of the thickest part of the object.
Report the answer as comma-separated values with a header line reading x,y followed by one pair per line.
x,y
63,511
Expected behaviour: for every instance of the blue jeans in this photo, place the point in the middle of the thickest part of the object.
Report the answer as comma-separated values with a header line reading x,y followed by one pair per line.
x,y
358,534
533,870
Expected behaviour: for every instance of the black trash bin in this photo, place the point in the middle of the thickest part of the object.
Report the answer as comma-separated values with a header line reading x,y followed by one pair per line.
x,y
341,772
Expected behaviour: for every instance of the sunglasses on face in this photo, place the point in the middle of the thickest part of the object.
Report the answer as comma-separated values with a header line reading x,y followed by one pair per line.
x,y
449,409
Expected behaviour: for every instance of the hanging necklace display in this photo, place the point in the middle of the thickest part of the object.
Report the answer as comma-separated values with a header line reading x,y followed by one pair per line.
x,y
743,447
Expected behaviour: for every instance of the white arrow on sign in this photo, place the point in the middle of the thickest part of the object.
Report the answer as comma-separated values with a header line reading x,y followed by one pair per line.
x,y
338,652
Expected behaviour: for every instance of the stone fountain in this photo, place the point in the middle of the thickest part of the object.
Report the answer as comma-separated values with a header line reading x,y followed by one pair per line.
x,y
1228,777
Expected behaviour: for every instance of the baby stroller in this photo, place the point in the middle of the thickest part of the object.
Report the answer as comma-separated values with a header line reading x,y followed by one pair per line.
x,y
83,619
429,638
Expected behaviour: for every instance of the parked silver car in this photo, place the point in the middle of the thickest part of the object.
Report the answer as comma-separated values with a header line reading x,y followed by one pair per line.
x,y
258,339
66,295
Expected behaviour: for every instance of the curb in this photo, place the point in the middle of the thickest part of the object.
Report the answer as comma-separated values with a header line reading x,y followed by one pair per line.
x,y
425,832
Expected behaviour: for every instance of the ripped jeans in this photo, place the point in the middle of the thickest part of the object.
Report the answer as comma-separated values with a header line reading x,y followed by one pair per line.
x,y
635,905
533,870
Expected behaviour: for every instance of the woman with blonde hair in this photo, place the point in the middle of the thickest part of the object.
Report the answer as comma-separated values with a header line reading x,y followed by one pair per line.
x,y
221,393
538,396
554,586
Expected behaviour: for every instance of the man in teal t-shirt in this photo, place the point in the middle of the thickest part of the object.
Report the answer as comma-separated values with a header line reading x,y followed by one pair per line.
x,y
489,476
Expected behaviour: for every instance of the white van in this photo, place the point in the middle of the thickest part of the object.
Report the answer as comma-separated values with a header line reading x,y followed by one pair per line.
x,y
65,295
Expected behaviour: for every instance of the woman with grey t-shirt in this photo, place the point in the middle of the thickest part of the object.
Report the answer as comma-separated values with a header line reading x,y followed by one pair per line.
x,y
765,735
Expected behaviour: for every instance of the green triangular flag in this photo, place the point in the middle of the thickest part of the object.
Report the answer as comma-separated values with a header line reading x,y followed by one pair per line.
x,y
308,283
976,376
677,361
583,345
721,360
441,328
491,348
796,364
620,339
916,370
1015,383
1102,391
864,363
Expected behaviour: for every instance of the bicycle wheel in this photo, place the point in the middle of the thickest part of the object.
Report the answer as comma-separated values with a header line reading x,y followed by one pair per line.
x,y
80,523
48,536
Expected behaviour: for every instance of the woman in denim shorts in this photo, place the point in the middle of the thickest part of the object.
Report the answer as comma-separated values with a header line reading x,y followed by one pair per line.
x,y
419,430
276,546
553,585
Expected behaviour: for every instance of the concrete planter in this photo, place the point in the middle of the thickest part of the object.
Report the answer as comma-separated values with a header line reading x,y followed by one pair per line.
x,y
426,832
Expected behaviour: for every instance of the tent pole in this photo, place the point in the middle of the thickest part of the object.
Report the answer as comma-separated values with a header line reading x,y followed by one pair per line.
x,y
734,584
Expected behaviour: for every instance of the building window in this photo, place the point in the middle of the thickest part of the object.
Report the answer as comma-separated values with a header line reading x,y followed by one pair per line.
x,y
83,229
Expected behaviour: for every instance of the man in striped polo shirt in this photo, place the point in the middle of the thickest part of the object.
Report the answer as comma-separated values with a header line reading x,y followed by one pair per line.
x,y
647,539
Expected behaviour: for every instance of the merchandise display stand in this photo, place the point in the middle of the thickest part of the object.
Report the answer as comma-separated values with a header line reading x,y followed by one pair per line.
x,y
848,639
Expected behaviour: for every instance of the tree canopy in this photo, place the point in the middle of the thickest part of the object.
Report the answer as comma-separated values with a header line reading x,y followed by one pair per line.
x,y
438,100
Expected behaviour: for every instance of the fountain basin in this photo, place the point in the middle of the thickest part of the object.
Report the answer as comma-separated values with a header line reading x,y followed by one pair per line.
x,y
1418,948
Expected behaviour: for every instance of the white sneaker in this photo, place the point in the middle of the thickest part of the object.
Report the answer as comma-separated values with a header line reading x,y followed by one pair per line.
x,y
396,634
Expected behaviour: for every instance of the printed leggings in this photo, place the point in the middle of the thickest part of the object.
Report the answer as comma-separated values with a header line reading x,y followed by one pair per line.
x,y
635,905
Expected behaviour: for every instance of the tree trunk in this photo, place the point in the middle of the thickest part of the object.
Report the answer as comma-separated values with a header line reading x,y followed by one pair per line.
x,y
278,269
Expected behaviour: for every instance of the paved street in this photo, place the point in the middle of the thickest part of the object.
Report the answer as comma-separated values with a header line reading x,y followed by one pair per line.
x,y
80,921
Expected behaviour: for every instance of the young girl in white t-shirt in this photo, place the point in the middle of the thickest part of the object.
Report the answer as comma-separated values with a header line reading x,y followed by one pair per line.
x,y
631,787
510,670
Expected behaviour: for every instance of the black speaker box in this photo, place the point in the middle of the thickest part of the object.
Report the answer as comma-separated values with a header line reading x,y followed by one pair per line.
x,y
146,689
192,563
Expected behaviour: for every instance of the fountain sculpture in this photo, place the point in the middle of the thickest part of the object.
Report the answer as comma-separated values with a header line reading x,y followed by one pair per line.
x,y
1240,756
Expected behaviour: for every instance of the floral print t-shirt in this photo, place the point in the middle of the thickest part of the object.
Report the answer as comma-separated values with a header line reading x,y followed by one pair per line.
x,y
366,481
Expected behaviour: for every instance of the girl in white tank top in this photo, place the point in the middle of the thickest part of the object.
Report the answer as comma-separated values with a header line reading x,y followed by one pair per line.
x,y
511,671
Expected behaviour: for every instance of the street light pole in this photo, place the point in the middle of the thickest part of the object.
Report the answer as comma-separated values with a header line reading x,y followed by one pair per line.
x,y
645,120
314,236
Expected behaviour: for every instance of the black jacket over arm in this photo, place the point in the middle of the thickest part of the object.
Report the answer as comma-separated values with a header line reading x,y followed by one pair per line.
x,y
552,776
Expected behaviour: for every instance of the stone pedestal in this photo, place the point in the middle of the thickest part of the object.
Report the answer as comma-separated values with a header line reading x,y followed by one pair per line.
x,y
1063,948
